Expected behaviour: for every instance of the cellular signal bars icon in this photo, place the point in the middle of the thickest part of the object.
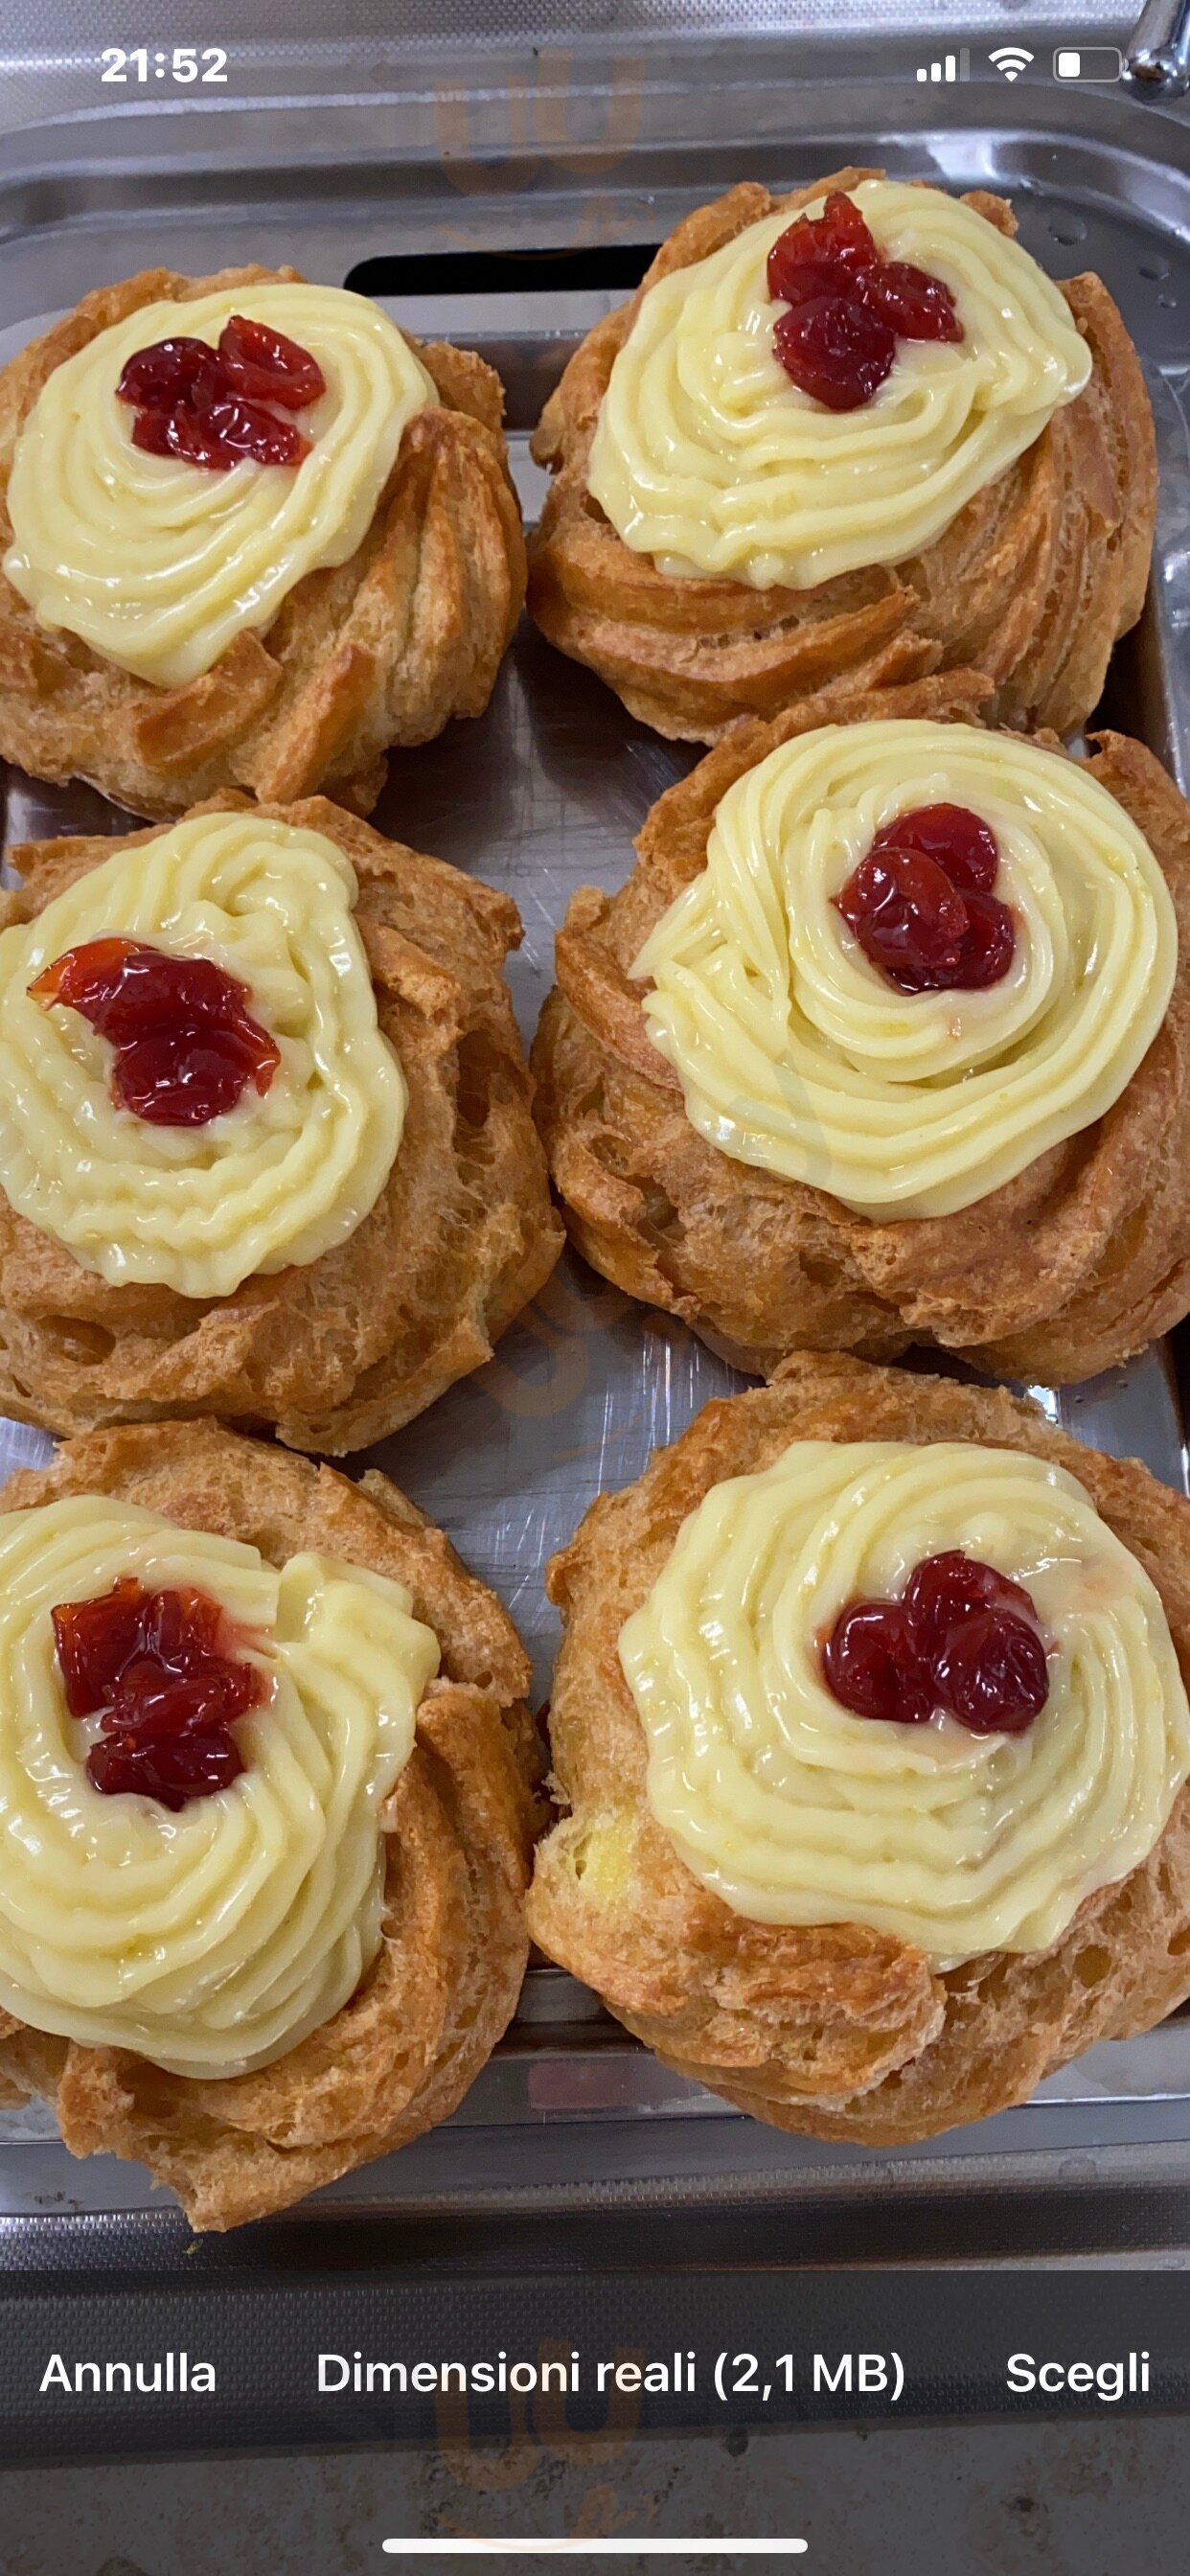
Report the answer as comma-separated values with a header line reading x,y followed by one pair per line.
x,y
953,67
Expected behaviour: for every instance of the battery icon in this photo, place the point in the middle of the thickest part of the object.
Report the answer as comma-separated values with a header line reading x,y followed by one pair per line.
x,y
1088,63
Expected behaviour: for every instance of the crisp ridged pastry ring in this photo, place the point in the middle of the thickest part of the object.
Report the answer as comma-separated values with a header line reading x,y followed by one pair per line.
x,y
871,1744
277,1180
798,1055
266,1141
158,565
252,536
719,540
267,1803
707,458
214,1939
794,1810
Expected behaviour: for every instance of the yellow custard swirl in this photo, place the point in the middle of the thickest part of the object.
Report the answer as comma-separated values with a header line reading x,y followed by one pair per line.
x,y
797,1055
794,1811
707,456
158,564
214,1939
276,1180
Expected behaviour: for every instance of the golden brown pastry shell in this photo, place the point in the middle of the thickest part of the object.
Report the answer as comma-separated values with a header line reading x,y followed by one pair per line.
x,y
380,650
1031,583
840,2032
1081,1260
458,1829
340,1351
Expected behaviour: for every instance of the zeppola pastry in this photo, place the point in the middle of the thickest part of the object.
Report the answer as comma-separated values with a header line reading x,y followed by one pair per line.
x,y
887,1041
267,1787
266,1149
845,438
251,535
871,1724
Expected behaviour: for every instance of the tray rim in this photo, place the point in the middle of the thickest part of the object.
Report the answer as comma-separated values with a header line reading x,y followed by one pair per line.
x,y
800,2180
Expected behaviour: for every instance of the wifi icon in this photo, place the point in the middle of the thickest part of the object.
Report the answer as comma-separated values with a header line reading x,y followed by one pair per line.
x,y
1011,60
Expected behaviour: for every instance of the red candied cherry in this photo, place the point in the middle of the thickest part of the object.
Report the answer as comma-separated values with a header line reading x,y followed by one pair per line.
x,y
915,925
962,1639
179,1629
871,1666
914,304
215,407
186,1046
161,1700
944,1591
908,918
176,1635
992,1673
835,351
171,372
848,306
221,435
267,366
161,1670
833,247
988,946
171,1769
962,844
94,1641
248,429
185,1077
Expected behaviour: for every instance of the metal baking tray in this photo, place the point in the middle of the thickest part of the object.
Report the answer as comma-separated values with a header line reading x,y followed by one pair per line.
x,y
540,795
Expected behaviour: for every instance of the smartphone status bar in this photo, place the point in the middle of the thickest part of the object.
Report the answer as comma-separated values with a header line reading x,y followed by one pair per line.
x,y
1067,63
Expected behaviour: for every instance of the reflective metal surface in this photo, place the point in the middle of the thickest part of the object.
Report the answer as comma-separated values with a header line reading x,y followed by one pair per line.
x,y
1158,55
542,794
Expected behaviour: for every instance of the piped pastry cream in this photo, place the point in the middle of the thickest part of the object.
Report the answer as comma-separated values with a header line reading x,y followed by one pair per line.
x,y
213,1939
285,1174
707,458
795,1811
158,565
796,1054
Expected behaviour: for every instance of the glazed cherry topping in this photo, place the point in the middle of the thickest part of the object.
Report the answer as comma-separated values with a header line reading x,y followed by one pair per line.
x,y
162,1669
185,1046
838,241
835,350
172,371
871,1666
219,436
992,1674
962,1639
908,918
212,406
268,367
920,904
964,846
912,303
944,1592
849,306
171,1772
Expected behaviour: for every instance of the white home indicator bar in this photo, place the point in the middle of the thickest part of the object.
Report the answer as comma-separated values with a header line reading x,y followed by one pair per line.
x,y
457,2547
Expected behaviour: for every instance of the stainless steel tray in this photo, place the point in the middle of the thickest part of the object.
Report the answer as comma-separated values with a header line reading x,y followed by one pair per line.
x,y
541,795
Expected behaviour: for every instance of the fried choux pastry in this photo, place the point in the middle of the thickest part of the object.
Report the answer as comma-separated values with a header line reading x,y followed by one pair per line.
x,y
266,1149
871,1734
251,536
273,1740
764,1116
722,539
